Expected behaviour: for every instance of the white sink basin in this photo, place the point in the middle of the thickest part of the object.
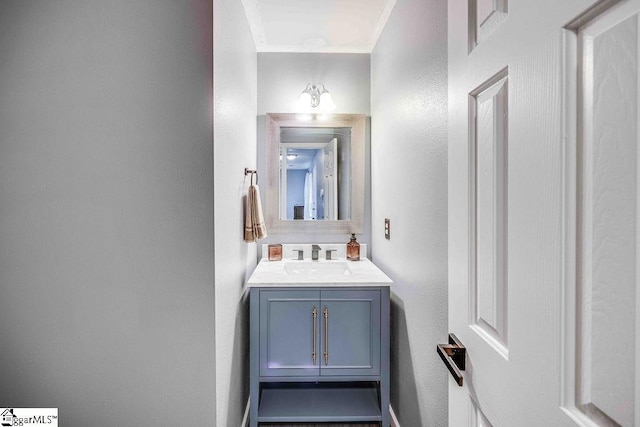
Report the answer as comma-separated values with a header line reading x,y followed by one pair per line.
x,y
304,268
307,273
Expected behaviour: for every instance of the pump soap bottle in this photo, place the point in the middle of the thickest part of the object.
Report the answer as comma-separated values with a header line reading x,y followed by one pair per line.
x,y
353,249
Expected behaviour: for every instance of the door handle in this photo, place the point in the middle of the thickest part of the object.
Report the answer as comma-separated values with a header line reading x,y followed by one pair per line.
x,y
453,355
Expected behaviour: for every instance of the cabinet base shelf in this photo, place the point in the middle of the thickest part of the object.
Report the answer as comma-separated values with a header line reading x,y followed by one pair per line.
x,y
319,403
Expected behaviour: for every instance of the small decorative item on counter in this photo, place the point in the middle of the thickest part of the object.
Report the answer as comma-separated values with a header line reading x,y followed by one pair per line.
x,y
275,252
353,249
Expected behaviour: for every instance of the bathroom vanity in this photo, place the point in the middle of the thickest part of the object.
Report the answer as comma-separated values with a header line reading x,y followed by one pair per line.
x,y
319,342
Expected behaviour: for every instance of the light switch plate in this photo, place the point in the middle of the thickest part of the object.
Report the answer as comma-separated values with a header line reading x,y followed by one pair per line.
x,y
387,228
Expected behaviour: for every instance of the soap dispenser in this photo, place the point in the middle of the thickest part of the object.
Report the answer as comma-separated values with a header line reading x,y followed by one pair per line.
x,y
353,249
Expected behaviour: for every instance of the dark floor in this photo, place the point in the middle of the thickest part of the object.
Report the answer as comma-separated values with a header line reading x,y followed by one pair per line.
x,y
323,425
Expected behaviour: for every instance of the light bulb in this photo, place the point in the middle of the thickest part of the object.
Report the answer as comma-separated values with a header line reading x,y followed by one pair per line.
x,y
326,103
305,99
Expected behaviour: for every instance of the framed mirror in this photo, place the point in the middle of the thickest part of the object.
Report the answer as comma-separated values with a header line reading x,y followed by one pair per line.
x,y
315,173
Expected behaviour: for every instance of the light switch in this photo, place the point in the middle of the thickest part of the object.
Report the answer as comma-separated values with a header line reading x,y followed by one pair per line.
x,y
387,228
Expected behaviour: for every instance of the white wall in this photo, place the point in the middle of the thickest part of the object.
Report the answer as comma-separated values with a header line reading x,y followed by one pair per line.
x,y
283,76
281,79
234,149
409,186
106,204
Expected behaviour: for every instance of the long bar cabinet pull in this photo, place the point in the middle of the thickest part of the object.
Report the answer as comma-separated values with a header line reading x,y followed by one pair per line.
x,y
326,336
313,354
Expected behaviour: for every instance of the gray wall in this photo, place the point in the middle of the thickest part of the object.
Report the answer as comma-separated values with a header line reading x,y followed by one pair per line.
x,y
106,204
234,116
281,79
295,189
409,186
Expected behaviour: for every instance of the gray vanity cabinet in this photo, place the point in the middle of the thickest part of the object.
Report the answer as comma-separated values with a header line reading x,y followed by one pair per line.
x,y
350,332
319,354
289,336
311,333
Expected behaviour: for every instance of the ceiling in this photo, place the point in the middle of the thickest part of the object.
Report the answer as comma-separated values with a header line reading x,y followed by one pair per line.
x,y
340,26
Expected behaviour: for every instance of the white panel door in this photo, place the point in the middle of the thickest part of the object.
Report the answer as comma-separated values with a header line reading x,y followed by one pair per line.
x,y
331,180
544,214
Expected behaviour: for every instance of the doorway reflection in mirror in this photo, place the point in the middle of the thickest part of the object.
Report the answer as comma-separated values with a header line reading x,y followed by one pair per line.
x,y
316,182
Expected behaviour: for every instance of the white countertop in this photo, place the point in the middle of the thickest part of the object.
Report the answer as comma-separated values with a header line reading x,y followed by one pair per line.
x,y
357,274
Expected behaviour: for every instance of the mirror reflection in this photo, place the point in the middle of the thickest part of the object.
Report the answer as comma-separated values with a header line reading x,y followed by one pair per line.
x,y
315,175
339,192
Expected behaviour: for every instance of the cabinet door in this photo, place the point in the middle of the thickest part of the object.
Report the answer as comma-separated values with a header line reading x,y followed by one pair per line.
x,y
287,333
350,330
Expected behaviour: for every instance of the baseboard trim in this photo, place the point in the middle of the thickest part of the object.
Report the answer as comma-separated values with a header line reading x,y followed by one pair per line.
x,y
394,419
245,419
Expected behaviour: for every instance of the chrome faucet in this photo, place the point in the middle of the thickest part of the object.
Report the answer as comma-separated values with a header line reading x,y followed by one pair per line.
x,y
314,252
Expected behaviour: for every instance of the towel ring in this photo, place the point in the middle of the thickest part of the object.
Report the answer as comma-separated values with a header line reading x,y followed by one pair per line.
x,y
248,171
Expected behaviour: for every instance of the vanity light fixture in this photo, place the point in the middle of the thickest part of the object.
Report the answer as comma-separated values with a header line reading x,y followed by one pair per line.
x,y
316,96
